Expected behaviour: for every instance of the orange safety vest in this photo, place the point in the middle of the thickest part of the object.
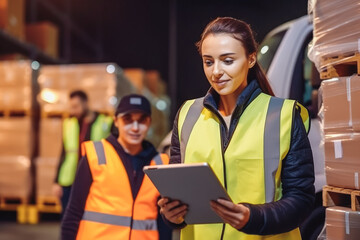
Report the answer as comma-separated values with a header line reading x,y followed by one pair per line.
x,y
110,210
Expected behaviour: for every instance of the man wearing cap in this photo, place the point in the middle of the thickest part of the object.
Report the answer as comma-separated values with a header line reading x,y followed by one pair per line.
x,y
111,198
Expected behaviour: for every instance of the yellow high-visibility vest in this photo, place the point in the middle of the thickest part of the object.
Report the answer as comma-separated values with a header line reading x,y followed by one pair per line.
x,y
250,166
71,130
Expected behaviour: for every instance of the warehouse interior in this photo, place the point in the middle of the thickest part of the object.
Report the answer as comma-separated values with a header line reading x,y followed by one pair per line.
x,y
108,49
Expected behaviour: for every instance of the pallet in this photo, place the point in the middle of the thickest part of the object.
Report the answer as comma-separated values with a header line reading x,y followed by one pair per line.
x,y
11,203
334,196
62,115
6,113
48,204
340,66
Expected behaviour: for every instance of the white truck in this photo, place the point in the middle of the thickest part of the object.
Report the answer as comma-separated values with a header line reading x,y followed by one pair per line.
x,y
283,56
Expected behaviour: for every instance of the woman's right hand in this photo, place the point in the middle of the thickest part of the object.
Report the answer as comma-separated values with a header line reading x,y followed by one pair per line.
x,y
173,211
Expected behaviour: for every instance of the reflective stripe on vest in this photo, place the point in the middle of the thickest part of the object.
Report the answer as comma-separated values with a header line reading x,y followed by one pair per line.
x,y
272,146
110,210
100,129
119,220
252,159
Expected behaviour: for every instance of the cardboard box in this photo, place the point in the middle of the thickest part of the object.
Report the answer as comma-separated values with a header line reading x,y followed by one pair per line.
x,y
137,77
340,104
78,76
99,81
50,137
12,17
336,27
15,98
154,83
45,36
15,177
342,224
46,168
16,137
342,160
15,74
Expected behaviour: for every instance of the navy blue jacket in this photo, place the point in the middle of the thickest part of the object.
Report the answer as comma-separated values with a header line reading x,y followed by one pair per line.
x,y
297,175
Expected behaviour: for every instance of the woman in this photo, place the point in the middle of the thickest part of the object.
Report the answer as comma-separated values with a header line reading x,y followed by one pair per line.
x,y
256,144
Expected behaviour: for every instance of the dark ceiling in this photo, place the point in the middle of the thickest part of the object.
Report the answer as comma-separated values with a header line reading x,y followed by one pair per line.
x,y
135,33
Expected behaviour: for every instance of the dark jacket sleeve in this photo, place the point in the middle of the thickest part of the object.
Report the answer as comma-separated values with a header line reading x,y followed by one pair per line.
x,y
298,190
61,161
175,154
79,193
165,231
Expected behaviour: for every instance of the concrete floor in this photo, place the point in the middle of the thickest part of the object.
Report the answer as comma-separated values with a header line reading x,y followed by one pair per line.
x,y
41,231
47,229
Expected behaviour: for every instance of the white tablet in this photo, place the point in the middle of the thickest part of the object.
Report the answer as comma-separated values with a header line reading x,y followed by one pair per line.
x,y
192,184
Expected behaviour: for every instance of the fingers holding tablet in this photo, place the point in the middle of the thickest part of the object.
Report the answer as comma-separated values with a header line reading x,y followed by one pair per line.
x,y
237,215
174,211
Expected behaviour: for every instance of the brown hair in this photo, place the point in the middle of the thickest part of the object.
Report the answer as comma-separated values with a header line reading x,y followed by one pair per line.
x,y
241,31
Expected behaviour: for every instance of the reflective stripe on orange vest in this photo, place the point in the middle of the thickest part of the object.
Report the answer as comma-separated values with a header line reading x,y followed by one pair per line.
x,y
110,210
119,220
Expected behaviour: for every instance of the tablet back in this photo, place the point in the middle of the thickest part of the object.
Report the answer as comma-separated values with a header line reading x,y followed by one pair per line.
x,y
192,184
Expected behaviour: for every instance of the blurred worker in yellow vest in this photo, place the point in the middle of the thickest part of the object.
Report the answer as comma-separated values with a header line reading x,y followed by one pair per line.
x,y
82,125
111,197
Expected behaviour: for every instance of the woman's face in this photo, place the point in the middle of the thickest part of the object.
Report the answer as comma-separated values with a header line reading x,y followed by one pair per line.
x,y
225,62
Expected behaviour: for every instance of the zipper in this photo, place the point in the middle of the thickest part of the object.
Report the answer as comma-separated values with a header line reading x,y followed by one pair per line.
x,y
132,220
224,146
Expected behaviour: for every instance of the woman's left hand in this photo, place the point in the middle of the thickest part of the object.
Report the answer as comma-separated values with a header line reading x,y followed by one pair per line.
x,y
237,215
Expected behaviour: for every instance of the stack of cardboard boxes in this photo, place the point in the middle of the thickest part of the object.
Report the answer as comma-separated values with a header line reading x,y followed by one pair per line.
x,y
16,130
335,45
336,33
99,81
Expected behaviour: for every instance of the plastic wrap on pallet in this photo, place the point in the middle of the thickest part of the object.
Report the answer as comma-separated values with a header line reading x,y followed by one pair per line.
x,y
45,174
16,135
342,224
336,30
15,178
340,110
102,82
342,160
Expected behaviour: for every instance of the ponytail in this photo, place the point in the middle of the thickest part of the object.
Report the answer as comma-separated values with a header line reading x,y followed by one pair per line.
x,y
256,72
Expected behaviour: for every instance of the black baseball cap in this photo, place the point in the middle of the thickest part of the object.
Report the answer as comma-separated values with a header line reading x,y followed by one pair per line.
x,y
133,103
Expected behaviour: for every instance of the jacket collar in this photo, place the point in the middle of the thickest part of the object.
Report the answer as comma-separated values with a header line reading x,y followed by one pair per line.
x,y
251,91
147,154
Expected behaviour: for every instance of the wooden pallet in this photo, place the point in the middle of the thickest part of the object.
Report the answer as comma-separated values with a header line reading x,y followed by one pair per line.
x,y
48,204
340,66
334,196
11,203
54,114
14,113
